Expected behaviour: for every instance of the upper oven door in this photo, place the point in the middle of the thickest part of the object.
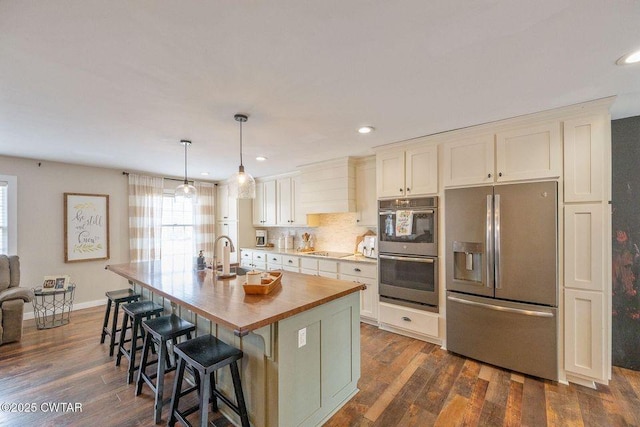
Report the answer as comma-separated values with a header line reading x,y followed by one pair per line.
x,y
410,232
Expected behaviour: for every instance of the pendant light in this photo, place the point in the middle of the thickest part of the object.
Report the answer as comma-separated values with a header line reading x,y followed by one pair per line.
x,y
185,189
241,184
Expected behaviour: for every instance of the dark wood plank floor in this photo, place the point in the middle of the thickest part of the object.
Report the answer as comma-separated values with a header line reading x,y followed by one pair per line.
x,y
404,382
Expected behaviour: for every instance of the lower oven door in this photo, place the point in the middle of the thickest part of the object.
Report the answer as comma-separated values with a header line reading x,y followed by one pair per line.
x,y
412,279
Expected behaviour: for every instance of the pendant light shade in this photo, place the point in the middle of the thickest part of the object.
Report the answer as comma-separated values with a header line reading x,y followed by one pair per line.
x,y
241,184
185,190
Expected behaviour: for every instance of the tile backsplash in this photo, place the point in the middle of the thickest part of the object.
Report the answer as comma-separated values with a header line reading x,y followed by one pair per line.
x,y
336,232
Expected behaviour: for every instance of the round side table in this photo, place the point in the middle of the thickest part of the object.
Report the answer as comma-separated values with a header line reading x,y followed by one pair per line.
x,y
53,308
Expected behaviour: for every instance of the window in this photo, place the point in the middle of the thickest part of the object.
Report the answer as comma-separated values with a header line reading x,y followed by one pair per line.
x,y
178,234
8,215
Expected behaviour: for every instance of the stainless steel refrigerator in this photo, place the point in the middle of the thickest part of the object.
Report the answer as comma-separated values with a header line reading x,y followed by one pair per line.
x,y
502,275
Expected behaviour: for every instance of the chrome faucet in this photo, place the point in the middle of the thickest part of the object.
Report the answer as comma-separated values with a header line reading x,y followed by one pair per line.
x,y
215,244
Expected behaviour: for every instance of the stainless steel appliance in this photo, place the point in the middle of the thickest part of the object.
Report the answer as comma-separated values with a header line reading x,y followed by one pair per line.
x,y
408,226
407,252
409,280
502,275
261,238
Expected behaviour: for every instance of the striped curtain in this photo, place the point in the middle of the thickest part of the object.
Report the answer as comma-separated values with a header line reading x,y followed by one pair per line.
x,y
145,217
205,221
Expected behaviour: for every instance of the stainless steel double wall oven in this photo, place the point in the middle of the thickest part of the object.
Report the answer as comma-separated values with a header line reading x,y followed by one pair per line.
x,y
408,252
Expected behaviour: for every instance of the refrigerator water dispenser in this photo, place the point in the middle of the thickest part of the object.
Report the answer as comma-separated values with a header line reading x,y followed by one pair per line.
x,y
467,261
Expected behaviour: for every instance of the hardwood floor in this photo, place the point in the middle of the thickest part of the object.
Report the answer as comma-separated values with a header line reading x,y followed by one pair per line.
x,y
404,382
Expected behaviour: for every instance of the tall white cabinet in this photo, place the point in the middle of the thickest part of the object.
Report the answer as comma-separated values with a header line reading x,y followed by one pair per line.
x,y
587,248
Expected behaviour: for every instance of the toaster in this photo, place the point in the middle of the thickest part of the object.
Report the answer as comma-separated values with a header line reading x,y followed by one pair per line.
x,y
370,247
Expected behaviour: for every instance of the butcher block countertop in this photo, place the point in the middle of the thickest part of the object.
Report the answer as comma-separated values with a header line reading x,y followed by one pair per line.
x,y
224,301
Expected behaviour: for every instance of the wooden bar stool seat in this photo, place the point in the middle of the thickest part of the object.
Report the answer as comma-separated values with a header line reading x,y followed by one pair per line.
x,y
160,330
135,312
205,355
121,296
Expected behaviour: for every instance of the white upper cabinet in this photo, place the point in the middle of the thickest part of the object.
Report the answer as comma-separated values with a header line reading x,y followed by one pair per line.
x,y
366,206
584,141
532,152
525,153
289,211
469,161
405,172
264,205
226,207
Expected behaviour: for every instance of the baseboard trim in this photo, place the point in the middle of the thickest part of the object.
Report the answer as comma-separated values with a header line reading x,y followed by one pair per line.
x,y
88,304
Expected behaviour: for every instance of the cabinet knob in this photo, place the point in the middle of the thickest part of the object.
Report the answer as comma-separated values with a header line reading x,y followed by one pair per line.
x,y
274,259
488,175
408,189
406,319
500,174
401,190
357,270
290,262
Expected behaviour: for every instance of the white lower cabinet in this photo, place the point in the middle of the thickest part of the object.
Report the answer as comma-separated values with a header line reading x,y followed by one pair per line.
x,y
367,274
584,334
416,321
274,262
309,266
291,263
328,268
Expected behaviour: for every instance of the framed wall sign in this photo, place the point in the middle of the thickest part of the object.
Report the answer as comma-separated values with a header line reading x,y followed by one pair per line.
x,y
86,227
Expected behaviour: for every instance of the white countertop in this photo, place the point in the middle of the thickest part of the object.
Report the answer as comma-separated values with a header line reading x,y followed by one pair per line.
x,y
350,258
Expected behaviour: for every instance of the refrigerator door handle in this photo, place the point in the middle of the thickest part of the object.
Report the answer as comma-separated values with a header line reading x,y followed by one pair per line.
x,y
501,308
496,240
489,241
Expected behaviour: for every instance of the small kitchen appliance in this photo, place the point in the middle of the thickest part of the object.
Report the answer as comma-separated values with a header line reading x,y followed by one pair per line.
x,y
370,247
261,238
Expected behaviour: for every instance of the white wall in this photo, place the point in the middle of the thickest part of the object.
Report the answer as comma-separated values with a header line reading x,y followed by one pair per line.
x,y
41,228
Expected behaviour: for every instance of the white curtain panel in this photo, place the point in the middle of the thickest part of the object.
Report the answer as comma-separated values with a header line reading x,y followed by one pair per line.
x,y
205,221
145,217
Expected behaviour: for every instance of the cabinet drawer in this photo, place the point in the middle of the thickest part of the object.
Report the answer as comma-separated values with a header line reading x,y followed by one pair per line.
x,y
359,269
328,266
309,271
274,259
421,322
358,279
309,264
328,274
290,261
247,256
259,257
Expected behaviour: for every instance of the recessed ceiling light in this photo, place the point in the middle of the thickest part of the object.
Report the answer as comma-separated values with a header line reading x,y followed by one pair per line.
x,y
630,58
261,158
204,173
366,129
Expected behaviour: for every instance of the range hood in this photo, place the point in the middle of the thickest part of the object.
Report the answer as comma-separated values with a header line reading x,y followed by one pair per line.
x,y
329,186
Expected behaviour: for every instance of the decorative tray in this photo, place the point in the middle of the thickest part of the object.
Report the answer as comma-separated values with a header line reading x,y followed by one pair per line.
x,y
269,283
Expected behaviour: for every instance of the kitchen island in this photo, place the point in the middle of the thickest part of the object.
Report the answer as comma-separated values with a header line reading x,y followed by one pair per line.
x,y
301,342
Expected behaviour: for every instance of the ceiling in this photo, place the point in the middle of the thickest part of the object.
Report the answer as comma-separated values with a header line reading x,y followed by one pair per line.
x,y
119,83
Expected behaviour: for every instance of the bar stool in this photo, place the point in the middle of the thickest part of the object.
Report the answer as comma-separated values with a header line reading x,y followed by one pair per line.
x,y
135,311
115,297
205,355
159,331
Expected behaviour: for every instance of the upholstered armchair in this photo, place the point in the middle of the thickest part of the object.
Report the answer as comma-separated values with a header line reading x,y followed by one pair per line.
x,y
12,299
